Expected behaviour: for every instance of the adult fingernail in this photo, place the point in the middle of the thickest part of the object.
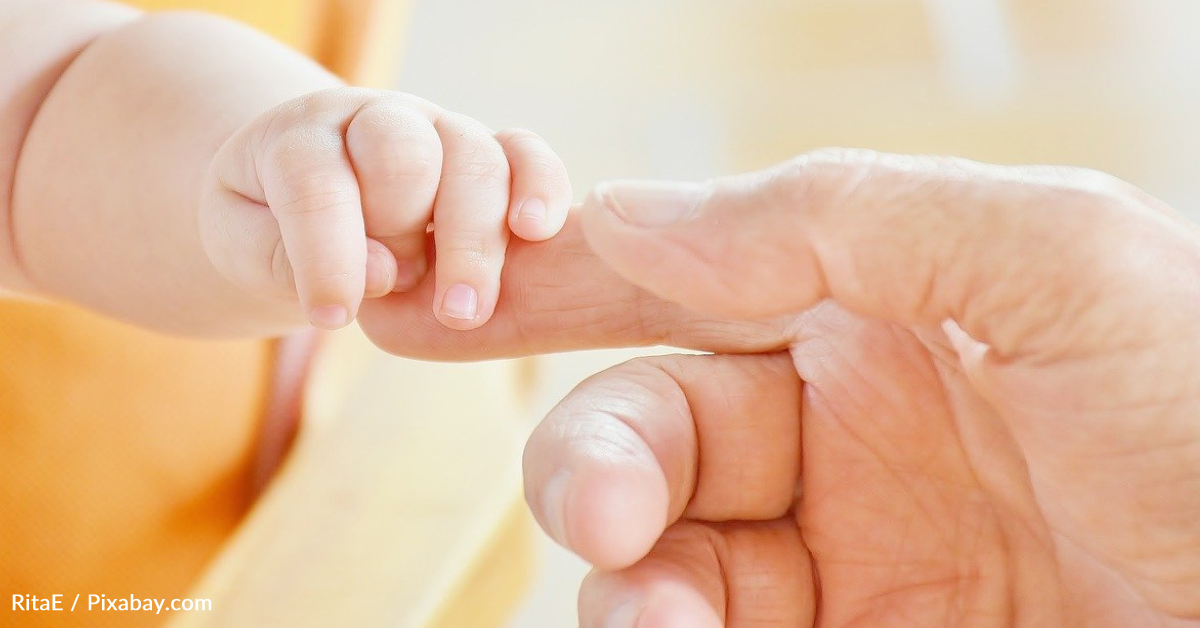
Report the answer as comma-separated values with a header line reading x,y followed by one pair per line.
x,y
652,203
329,316
461,301
624,616
554,506
533,210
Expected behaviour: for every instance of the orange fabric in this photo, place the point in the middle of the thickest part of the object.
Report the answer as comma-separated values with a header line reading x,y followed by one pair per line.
x,y
128,457
124,456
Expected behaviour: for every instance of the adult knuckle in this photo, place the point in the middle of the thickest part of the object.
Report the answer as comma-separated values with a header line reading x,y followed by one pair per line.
x,y
826,177
1089,198
1108,242
1112,190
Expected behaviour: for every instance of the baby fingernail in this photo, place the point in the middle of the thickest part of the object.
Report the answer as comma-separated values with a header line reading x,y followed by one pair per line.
x,y
461,301
329,316
380,274
554,506
533,209
409,273
652,203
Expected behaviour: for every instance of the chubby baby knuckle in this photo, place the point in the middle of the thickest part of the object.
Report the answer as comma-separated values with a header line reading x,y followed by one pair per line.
x,y
319,108
401,157
325,279
522,141
387,121
480,167
315,194
284,116
406,164
473,245
543,166
412,102
553,185
518,135
300,148
333,99
332,279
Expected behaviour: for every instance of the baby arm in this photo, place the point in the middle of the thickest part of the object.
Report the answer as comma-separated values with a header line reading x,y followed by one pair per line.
x,y
188,174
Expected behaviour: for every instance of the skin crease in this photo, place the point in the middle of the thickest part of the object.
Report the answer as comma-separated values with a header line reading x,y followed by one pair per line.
x,y
186,174
272,204
1035,461
943,394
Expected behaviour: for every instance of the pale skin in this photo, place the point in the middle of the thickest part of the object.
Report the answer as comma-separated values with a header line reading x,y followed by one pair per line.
x,y
941,393
186,174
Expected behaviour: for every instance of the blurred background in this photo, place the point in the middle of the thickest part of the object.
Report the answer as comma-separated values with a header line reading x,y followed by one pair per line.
x,y
695,88
400,503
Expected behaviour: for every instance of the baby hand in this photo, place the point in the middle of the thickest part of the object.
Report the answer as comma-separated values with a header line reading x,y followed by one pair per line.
x,y
329,197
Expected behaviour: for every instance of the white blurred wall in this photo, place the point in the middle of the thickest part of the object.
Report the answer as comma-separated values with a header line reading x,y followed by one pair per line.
x,y
695,88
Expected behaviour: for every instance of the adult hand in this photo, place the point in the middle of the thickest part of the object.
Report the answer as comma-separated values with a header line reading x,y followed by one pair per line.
x,y
975,400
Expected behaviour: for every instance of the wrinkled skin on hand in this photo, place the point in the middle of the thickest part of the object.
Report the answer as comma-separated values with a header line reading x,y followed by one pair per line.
x,y
941,394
